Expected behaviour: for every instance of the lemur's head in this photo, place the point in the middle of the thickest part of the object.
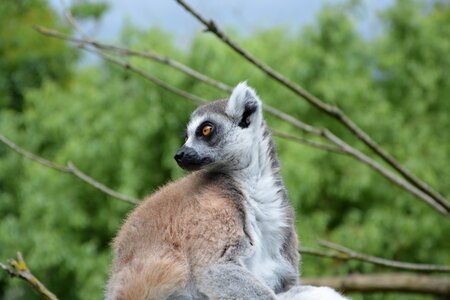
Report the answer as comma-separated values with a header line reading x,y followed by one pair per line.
x,y
223,134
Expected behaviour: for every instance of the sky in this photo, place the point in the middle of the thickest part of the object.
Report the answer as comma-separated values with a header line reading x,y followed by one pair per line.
x,y
245,16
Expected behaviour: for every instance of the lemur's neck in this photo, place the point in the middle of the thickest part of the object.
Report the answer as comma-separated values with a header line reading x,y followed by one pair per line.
x,y
264,161
268,219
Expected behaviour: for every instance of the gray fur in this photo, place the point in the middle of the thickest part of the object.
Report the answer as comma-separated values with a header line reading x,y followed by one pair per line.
x,y
243,153
233,151
216,107
231,281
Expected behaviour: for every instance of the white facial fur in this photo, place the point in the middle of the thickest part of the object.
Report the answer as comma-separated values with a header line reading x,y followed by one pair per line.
x,y
234,139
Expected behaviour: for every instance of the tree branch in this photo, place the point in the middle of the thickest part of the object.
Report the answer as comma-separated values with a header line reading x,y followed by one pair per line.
x,y
311,143
325,133
330,110
70,169
194,98
348,254
18,268
384,172
388,282
315,252
32,156
170,62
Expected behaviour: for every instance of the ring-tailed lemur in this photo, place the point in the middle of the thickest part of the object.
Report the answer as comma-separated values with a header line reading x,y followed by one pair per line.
x,y
225,231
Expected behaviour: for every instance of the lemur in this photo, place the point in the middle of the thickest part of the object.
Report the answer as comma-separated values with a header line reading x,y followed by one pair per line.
x,y
226,230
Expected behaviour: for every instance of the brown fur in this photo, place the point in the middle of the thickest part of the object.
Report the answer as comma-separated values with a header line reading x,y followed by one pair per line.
x,y
172,236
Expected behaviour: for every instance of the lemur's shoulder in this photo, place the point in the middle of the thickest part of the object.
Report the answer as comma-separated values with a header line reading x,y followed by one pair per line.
x,y
197,191
198,215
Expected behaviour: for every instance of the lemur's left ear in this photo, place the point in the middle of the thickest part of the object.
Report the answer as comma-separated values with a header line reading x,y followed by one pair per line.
x,y
244,105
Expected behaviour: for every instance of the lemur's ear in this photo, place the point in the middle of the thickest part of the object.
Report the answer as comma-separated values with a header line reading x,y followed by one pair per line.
x,y
244,105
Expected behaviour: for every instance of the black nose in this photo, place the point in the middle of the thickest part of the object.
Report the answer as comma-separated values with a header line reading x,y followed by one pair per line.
x,y
179,155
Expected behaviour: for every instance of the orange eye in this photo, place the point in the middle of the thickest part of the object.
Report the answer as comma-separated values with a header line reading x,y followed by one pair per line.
x,y
206,130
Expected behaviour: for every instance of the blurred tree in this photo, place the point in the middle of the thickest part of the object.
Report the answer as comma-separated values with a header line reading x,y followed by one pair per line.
x,y
24,60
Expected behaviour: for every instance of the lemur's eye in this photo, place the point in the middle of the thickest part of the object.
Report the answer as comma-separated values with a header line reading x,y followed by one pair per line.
x,y
207,130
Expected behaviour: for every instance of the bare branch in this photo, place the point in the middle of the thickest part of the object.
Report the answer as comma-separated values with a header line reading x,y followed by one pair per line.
x,y
18,268
343,147
349,254
101,187
304,141
384,172
330,110
163,59
196,99
315,252
86,40
127,65
389,282
173,63
70,169
33,156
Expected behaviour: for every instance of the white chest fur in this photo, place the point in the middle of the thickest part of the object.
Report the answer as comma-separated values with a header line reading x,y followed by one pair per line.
x,y
266,218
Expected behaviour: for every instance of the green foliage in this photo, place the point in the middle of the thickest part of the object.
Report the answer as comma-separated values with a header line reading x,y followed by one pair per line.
x,y
27,59
89,10
122,130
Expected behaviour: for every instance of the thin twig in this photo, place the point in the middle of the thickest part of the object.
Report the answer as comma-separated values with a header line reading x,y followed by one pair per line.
x,y
315,252
18,268
353,255
311,143
385,172
99,186
32,156
70,169
127,65
166,60
331,110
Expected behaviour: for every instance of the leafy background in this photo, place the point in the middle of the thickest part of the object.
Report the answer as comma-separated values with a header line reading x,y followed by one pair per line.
x,y
123,130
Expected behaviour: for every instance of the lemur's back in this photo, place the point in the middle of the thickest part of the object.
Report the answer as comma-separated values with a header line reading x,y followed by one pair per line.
x,y
172,235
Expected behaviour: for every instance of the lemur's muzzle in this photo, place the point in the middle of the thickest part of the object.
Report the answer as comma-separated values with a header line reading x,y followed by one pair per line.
x,y
188,159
